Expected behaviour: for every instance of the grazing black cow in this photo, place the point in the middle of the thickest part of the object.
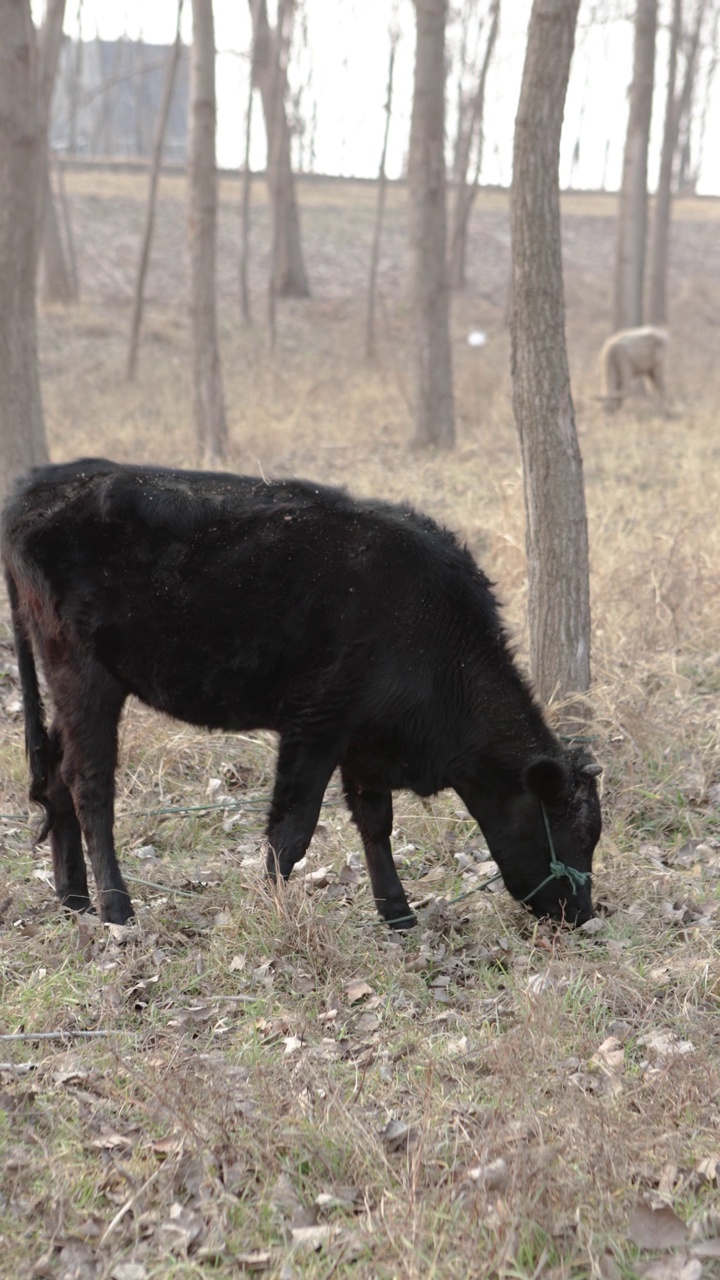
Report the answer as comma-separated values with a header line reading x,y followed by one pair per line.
x,y
361,632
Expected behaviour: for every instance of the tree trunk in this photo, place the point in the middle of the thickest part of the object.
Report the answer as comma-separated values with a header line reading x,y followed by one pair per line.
x,y
712,45
208,396
289,278
56,282
434,412
657,274
686,178
556,532
380,206
22,151
66,226
247,187
155,166
466,191
632,217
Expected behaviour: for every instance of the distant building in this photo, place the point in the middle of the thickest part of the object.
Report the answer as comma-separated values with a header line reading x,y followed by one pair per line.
x,y
107,97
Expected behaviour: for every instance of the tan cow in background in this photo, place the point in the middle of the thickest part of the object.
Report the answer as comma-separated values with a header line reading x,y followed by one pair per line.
x,y
630,354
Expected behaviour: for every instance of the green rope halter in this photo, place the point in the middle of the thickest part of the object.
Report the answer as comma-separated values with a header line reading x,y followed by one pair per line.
x,y
558,869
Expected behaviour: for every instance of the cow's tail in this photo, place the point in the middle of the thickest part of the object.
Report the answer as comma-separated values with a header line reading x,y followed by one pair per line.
x,y
37,741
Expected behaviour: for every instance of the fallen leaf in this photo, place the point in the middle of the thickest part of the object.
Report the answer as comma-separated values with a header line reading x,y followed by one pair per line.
x,y
357,990
539,982
665,1043
677,1267
320,879
706,1248
292,1044
259,1260
128,1271
111,1142
165,1147
709,1168
656,1228
493,1176
312,1237
285,1198
609,1056
122,932
74,1076
457,1048
237,962
609,1269
77,1262
595,925
340,1198
433,876
183,1228
365,1023
398,1136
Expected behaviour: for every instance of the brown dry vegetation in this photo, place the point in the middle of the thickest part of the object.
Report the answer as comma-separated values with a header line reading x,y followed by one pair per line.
x,y
280,1087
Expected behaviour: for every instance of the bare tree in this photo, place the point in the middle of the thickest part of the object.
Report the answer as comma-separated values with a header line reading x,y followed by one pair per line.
x,y
434,410
713,45
686,174
57,282
208,395
270,49
23,143
556,532
247,186
470,136
380,206
632,218
657,268
155,165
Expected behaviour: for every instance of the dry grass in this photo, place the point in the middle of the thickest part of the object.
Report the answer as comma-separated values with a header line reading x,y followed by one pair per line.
x,y
492,1099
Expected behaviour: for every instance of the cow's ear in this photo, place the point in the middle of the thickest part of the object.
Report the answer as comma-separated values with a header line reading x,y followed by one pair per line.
x,y
546,778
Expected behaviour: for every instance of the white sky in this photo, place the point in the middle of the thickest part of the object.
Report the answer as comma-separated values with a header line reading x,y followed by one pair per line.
x,y
349,47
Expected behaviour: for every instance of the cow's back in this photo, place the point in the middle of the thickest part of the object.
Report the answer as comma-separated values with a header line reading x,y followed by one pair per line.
x,y
233,602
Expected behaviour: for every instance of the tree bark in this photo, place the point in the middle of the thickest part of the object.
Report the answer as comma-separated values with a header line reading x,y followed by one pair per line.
x,y
208,395
289,278
247,187
57,283
380,206
466,191
556,531
686,178
657,273
56,278
155,166
434,410
22,150
632,217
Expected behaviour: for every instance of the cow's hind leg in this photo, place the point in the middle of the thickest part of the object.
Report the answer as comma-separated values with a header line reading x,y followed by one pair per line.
x,y
69,869
89,702
372,814
304,769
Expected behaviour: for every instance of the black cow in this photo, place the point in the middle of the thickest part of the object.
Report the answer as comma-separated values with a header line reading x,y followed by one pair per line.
x,y
359,631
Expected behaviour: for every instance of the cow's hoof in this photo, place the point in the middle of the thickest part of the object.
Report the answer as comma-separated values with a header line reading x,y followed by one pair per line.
x,y
403,920
76,902
117,908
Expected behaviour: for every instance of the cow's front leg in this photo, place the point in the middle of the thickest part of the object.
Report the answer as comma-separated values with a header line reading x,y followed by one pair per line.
x,y
372,814
304,769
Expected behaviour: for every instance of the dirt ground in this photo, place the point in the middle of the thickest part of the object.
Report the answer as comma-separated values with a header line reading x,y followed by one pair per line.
x,y
247,1083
